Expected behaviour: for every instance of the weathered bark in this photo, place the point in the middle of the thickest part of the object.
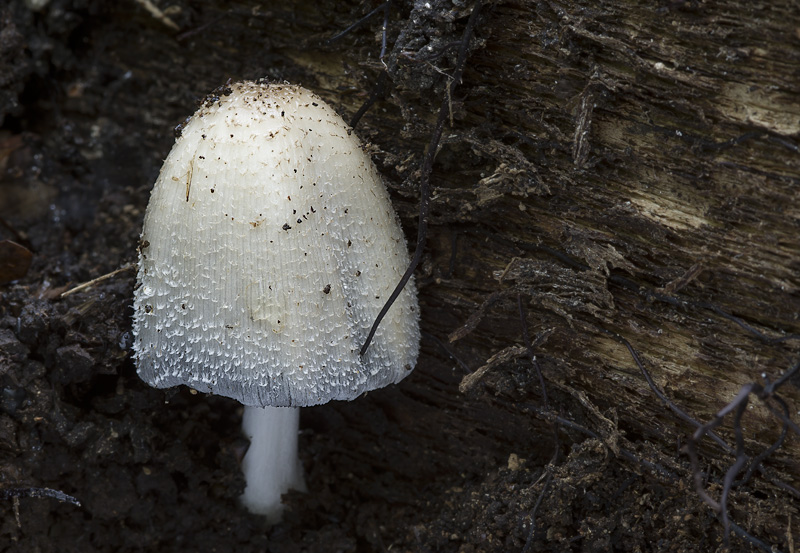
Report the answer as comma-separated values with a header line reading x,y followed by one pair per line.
x,y
619,170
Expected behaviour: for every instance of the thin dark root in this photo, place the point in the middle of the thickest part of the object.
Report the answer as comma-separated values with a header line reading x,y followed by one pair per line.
x,y
191,32
427,169
380,87
766,392
377,92
384,28
650,382
450,354
738,407
757,460
526,338
530,541
357,24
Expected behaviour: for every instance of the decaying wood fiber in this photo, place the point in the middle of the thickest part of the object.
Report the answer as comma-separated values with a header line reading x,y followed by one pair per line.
x,y
624,175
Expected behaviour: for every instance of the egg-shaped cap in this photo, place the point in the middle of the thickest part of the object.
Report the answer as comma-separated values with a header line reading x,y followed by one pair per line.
x,y
269,247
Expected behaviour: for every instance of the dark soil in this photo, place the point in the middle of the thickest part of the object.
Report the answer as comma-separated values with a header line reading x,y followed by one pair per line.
x,y
89,95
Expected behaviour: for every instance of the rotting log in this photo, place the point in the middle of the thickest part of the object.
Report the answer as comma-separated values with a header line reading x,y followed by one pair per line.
x,y
615,173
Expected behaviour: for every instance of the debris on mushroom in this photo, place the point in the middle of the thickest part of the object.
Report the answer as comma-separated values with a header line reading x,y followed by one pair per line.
x,y
269,247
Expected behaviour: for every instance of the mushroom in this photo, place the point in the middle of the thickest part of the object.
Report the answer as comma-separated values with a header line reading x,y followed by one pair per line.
x,y
269,247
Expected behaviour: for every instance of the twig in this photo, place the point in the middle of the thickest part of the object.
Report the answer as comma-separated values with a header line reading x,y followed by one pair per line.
x,y
94,281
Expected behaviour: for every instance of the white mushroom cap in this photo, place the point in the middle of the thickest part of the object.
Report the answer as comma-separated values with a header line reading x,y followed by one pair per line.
x,y
269,247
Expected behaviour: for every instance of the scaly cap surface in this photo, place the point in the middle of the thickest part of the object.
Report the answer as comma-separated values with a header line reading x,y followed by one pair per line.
x,y
269,246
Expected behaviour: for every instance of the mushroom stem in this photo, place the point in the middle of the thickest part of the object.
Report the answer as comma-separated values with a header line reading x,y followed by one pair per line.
x,y
270,466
